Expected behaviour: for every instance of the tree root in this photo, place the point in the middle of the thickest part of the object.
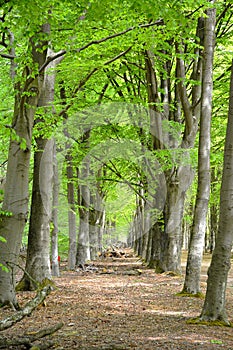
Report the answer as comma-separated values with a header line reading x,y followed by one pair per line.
x,y
27,339
27,309
190,295
200,321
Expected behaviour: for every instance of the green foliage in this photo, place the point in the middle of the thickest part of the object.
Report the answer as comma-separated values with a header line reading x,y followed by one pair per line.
x,y
216,341
2,239
5,213
22,142
3,267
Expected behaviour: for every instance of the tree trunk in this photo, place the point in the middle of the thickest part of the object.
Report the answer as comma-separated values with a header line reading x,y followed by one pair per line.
x,y
95,222
137,223
214,210
101,224
174,210
16,194
71,212
55,230
16,198
83,250
146,234
213,227
38,252
214,306
197,239
154,258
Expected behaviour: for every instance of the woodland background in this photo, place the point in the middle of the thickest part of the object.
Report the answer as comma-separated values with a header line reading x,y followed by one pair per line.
x,y
114,133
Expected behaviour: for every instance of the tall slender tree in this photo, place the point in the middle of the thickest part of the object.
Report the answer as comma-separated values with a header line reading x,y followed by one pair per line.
x,y
197,239
16,194
38,252
54,219
215,300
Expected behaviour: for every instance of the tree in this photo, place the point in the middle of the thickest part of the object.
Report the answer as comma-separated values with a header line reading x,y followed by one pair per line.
x,y
197,239
177,107
214,308
54,219
16,196
71,211
83,170
38,252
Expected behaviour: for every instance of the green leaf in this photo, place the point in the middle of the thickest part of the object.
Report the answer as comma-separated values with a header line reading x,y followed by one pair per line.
x,y
4,268
23,144
215,341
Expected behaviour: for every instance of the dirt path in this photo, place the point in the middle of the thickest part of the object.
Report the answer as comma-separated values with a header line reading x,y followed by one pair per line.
x,y
119,304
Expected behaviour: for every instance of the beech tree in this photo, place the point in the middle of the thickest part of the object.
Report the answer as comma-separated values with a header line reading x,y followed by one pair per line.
x,y
38,252
197,239
28,82
55,229
16,195
215,304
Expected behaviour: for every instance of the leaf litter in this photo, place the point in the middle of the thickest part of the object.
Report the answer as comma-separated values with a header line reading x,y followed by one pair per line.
x,y
118,303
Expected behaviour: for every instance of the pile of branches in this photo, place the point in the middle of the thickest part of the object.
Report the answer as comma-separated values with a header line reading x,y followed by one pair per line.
x,y
114,252
28,341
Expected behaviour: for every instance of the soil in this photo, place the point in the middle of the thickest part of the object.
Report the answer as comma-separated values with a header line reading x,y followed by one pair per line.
x,y
117,303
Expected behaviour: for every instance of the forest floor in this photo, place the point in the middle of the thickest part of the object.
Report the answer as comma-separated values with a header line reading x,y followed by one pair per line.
x,y
120,304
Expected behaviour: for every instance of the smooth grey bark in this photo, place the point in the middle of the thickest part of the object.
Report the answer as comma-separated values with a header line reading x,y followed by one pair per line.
x,y
71,212
16,196
83,249
215,300
55,229
96,224
154,101
101,231
95,215
214,211
210,244
70,190
93,233
154,249
197,239
146,236
138,227
174,209
38,252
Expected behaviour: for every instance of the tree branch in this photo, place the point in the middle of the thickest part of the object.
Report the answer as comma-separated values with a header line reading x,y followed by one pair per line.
x,y
52,58
95,42
27,340
183,93
27,309
114,170
5,55
88,76
77,89
123,53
